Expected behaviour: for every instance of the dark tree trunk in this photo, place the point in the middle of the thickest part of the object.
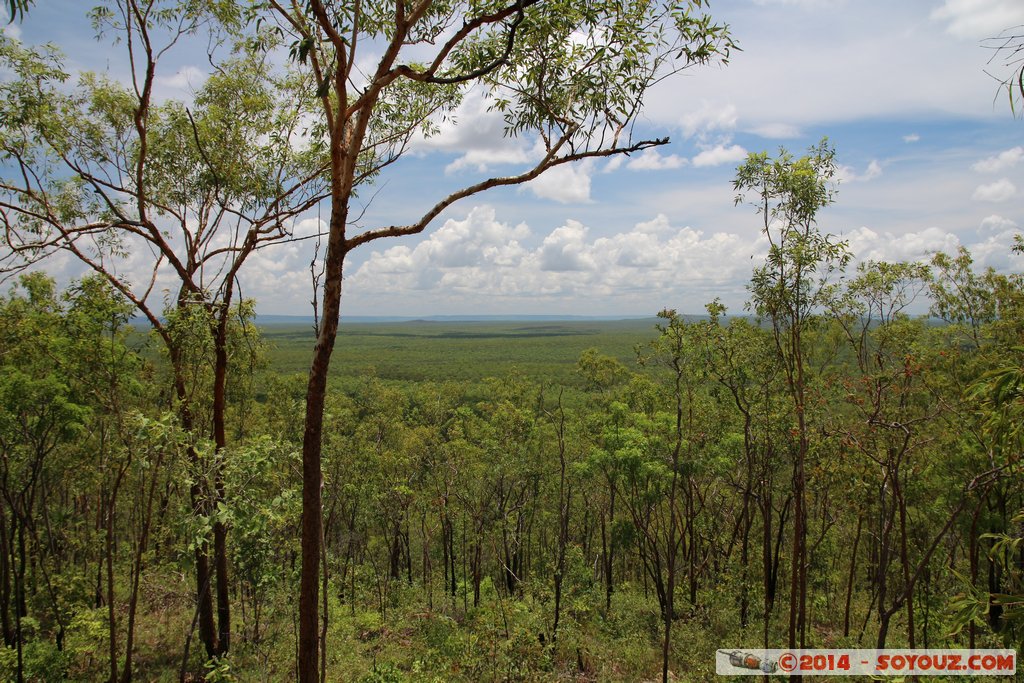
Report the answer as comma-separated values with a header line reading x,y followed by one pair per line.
x,y
850,577
220,547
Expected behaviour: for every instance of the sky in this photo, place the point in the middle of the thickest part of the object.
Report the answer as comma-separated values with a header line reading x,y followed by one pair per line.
x,y
931,159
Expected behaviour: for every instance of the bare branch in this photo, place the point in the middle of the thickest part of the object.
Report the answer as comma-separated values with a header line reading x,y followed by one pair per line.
x,y
549,161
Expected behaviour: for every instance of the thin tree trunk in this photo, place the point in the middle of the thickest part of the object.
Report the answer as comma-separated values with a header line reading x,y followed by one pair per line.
x,y
316,394
850,577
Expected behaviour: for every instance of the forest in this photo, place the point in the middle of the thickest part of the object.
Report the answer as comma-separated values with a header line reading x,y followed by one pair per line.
x,y
187,494
587,520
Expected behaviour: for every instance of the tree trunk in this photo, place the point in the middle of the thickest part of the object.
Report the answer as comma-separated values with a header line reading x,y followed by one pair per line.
x,y
316,394
220,547
850,577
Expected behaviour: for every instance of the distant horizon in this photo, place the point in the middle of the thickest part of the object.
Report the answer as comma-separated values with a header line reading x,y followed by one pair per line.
x,y
274,318
457,317
282,319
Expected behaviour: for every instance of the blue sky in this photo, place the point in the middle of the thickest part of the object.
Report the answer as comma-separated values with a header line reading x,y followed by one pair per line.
x,y
932,159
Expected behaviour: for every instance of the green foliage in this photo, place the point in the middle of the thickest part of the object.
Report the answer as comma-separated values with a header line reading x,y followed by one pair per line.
x,y
789,193
42,661
409,352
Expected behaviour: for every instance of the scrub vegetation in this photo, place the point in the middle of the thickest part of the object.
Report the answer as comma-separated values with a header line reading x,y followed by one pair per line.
x,y
521,501
200,498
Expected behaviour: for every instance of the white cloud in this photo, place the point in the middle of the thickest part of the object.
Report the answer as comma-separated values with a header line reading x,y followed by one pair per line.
x,y
867,244
564,250
187,79
847,174
709,118
808,4
568,183
460,251
649,266
720,154
483,159
993,250
307,227
912,137
999,191
614,163
996,251
829,69
479,263
978,19
776,131
996,224
652,160
477,134
11,30
1000,162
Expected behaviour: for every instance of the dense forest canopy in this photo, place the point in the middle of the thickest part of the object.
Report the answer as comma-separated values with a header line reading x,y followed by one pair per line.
x,y
826,470
524,526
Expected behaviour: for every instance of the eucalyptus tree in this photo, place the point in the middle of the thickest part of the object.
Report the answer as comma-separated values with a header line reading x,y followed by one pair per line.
x,y
789,290
1008,54
601,374
156,193
40,412
17,8
741,358
984,312
892,420
676,443
571,76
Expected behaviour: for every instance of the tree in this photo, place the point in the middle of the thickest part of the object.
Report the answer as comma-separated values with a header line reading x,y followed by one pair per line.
x,y
741,358
572,75
17,8
677,349
985,315
39,412
788,290
104,172
1008,53
892,421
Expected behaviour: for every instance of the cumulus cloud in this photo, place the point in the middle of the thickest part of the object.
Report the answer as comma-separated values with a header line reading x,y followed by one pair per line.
x,y
477,135
566,184
996,251
867,244
977,19
483,159
307,227
478,262
993,250
709,118
999,191
1000,162
996,224
653,263
564,250
720,154
652,160
847,174
614,163
455,255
